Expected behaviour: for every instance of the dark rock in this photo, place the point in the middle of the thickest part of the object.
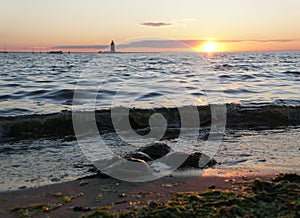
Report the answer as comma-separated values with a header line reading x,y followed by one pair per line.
x,y
212,162
212,187
81,209
93,169
22,187
122,195
198,160
156,150
171,133
139,155
262,160
153,204
76,209
83,183
120,202
55,179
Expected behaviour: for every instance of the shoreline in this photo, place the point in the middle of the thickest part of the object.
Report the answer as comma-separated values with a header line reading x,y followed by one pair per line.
x,y
85,195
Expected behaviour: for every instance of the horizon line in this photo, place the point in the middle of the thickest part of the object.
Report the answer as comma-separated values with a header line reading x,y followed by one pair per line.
x,y
124,52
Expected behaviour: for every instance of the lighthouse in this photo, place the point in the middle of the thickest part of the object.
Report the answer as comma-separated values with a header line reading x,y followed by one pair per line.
x,y
112,47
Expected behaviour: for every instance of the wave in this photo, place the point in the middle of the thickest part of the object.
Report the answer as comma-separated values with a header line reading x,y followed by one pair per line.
x,y
56,125
295,73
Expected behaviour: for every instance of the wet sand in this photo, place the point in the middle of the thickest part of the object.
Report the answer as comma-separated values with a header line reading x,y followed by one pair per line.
x,y
88,194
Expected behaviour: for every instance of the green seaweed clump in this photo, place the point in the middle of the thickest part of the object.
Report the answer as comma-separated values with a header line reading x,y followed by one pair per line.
x,y
100,212
31,210
35,209
279,197
292,177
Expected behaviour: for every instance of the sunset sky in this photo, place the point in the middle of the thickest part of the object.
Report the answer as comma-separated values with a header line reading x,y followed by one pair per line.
x,y
89,25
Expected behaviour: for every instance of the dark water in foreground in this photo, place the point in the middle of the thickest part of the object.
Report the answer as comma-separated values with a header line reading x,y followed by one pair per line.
x,y
260,90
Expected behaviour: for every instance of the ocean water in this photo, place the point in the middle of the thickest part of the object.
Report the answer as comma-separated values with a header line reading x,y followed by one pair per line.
x,y
260,92
45,83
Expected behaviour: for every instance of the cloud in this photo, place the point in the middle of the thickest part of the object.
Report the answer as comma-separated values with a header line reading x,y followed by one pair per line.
x,y
153,44
81,47
156,24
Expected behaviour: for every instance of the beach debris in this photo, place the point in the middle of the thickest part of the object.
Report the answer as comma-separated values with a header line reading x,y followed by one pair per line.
x,y
120,202
110,187
230,180
57,194
122,195
99,197
82,209
83,183
66,199
134,203
80,194
170,185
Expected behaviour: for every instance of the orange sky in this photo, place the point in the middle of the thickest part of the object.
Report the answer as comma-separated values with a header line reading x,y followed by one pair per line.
x,y
236,25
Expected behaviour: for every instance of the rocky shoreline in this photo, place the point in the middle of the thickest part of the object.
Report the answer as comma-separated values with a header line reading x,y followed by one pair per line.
x,y
150,159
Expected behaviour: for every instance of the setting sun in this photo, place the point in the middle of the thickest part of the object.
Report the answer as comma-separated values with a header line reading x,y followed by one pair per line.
x,y
210,47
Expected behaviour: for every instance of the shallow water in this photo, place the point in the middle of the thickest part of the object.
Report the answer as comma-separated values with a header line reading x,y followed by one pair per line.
x,y
35,163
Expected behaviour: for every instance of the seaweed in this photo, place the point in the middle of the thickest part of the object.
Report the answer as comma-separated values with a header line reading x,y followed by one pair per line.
x,y
279,197
35,209
29,211
100,212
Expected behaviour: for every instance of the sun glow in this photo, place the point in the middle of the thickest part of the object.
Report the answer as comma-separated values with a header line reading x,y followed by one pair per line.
x,y
210,47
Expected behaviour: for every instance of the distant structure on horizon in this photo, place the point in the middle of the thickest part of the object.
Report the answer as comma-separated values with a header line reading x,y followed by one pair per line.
x,y
112,47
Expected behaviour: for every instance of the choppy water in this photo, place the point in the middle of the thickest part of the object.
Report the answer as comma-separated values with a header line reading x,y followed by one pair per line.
x,y
260,90
44,83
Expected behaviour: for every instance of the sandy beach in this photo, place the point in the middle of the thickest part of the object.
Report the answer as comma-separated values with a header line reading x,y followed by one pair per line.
x,y
83,196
